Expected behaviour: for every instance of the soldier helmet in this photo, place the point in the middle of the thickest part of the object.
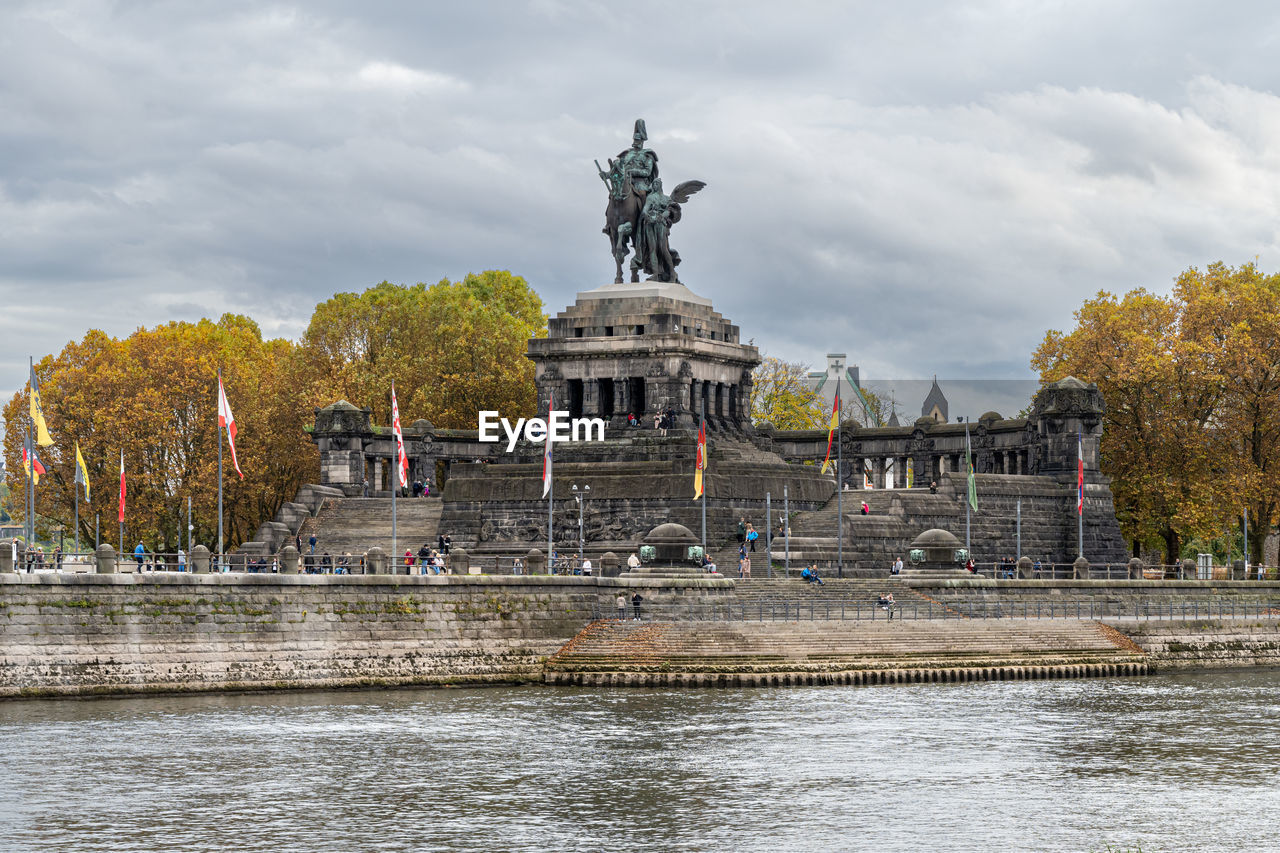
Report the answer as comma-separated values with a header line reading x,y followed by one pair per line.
x,y
640,133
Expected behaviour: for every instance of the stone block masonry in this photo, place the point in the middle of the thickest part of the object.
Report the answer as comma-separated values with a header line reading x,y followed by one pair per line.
x,y
102,634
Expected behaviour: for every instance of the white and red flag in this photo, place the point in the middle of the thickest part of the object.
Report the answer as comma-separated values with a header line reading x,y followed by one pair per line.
x,y
1079,474
122,488
402,460
228,420
546,453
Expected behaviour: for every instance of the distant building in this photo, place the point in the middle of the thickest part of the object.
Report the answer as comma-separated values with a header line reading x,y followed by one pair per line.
x,y
935,404
842,377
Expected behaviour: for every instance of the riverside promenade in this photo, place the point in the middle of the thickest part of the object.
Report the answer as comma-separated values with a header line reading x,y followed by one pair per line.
x,y
169,632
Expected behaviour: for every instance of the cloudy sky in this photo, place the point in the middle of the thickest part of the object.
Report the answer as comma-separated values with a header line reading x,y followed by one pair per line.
x,y
925,186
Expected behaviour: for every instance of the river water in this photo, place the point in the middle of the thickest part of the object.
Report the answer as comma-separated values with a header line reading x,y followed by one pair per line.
x,y
1177,762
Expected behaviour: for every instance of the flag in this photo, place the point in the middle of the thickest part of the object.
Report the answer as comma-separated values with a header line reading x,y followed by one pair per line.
x,y
1079,474
37,413
831,431
700,461
911,473
82,473
546,453
122,488
228,420
968,456
866,475
402,461
33,468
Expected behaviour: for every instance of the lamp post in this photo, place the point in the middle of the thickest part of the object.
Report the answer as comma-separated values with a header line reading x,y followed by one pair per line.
x,y
580,497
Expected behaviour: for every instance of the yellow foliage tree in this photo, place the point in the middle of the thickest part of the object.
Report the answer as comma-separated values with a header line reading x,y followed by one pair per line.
x,y
153,396
1191,381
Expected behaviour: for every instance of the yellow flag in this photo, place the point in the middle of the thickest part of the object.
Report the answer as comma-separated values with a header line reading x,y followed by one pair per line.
x,y
37,413
700,462
82,473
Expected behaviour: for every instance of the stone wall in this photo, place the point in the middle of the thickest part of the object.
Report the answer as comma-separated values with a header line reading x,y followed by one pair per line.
x,y
88,634
1199,644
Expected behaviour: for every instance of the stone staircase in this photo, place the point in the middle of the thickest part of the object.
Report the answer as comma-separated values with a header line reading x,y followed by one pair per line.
x,y
354,525
836,646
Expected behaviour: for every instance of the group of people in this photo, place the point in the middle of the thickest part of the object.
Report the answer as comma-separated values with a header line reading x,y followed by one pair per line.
x,y
428,560
418,488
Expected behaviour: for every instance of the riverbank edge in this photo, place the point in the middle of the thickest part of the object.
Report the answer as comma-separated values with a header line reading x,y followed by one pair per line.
x,y
483,643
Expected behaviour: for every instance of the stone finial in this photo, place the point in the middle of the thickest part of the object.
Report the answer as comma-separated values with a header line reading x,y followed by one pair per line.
x,y
7,563
375,561
200,560
1026,568
1237,570
1136,569
608,564
458,561
536,562
1189,570
105,558
1081,566
288,560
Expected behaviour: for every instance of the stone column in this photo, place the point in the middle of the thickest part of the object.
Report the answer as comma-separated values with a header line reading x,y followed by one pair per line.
x,y
877,472
375,561
1081,567
288,560
458,561
105,556
6,557
900,471
536,562
200,560
1135,569
375,483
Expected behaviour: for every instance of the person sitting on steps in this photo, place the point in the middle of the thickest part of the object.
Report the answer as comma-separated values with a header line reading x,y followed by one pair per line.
x,y
810,575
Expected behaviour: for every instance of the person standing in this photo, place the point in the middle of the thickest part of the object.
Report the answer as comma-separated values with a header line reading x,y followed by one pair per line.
x,y
635,604
633,562
182,560
742,530
408,561
866,508
312,543
897,566
621,602
752,536
365,487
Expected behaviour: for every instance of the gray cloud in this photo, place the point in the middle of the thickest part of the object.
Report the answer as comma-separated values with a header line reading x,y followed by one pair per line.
x,y
926,186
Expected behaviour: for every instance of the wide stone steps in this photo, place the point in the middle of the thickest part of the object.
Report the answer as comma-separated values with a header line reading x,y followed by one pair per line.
x,y
762,647
354,525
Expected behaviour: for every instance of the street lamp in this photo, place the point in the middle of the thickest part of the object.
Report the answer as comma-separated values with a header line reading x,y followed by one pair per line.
x,y
580,497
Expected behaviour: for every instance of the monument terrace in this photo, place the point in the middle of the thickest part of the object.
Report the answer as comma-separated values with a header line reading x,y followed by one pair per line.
x,y
646,346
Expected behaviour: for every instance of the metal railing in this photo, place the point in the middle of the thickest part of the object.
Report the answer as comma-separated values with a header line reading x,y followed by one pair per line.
x,y
856,611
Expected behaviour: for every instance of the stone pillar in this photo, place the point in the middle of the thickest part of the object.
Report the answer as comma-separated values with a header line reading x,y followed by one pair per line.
x,y
458,561
1136,567
1237,571
536,562
375,561
200,560
288,560
608,564
1025,567
1081,566
105,556
1188,569
6,557
375,485
877,472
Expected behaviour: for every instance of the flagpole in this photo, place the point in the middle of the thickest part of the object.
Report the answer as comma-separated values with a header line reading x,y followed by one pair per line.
x,y
28,527
31,461
703,426
968,497
839,493
217,557
76,486
1080,498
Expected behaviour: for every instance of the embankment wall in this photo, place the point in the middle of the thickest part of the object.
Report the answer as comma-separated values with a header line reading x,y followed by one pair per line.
x,y
87,634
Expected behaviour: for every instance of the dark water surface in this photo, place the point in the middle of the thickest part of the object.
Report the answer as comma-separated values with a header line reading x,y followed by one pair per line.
x,y
1181,762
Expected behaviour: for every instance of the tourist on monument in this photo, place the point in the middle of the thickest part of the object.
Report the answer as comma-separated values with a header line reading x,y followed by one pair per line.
x,y
933,487
586,567
866,508
140,555
424,553
632,420
707,564
742,529
443,543
752,536
633,562
810,575
517,566
417,488
426,489
657,423
969,566
897,567
744,566
364,490
621,603
182,560
408,561
888,605
635,604
312,543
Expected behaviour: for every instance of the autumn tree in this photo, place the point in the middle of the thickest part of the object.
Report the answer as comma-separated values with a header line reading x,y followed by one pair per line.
x,y
452,348
1190,382
153,396
781,395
